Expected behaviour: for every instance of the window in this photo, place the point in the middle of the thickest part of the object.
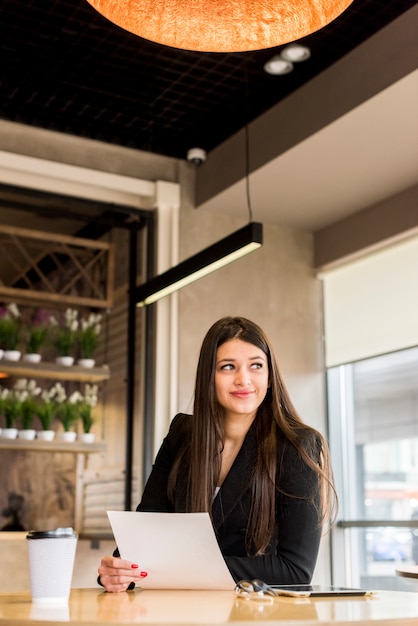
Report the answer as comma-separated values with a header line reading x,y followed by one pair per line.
x,y
373,426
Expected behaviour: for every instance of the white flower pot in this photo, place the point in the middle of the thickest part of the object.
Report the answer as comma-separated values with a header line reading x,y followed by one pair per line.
x,y
12,355
86,437
65,360
32,357
86,362
1,353
45,435
9,433
67,436
27,433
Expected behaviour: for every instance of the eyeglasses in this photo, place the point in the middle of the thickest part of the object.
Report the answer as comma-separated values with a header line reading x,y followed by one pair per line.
x,y
254,590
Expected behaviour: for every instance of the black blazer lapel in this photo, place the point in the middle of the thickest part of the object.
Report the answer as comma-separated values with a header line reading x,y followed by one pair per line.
x,y
236,483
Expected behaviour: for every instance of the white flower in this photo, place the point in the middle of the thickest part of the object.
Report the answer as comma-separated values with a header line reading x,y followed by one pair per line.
x,y
20,384
55,393
93,321
58,392
90,395
61,395
24,389
21,395
95,318
33,388
13,310
75,397
46,396
71,319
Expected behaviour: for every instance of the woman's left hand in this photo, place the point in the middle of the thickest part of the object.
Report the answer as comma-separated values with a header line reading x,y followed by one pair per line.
x,y
117,574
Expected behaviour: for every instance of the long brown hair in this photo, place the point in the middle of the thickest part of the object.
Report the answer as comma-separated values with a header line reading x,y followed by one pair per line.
x,y
275,414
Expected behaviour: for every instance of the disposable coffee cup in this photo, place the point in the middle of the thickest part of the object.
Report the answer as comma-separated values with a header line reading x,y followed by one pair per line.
x,y
51,555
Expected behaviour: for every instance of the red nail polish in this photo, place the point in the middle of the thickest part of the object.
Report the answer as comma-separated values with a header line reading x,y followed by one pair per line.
x,y
144,574
134,566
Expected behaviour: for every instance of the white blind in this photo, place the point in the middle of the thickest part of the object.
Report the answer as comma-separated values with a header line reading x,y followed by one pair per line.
x,y
371,304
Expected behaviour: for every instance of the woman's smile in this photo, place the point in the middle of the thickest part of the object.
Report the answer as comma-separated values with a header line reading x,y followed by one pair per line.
x,y
241,393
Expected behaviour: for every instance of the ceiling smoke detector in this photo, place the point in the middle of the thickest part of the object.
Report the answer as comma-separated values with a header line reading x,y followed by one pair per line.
x,y
197,156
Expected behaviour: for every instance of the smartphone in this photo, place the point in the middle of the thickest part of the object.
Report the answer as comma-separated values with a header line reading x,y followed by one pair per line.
x,y
319,591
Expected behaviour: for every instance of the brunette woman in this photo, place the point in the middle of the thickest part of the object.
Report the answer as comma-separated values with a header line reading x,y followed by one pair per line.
x,y
246,457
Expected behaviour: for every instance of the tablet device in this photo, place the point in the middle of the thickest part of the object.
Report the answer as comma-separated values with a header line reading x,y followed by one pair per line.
x,y
319,591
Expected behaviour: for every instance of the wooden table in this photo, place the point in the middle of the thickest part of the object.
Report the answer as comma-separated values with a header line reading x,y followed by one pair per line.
x,y
88,607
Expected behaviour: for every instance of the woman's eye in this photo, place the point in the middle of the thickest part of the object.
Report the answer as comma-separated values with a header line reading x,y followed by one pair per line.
x,y
227,366
257,366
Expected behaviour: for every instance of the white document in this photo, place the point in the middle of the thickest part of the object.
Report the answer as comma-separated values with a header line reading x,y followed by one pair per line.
x,y
178,550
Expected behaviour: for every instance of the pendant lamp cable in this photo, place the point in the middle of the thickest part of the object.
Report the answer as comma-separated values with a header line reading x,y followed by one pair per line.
x,y
247,145
247,172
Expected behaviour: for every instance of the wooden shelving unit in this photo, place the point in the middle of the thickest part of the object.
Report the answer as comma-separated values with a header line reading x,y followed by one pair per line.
x,y
80,450
54,270
55,371
36,445
83,269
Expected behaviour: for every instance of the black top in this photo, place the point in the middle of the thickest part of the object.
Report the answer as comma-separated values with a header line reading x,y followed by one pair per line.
x,y
291,556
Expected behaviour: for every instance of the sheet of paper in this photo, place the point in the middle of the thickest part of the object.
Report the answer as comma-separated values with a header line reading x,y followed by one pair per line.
x,y
178,550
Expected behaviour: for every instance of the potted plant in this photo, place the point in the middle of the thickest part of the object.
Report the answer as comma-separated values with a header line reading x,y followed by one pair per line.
x,y
65,337
37,334
68,413
48,402
88,338
9,421
87,404
28,391
12,408
10,329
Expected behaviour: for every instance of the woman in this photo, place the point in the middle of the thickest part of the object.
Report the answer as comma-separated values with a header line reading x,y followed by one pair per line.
x,y
246,457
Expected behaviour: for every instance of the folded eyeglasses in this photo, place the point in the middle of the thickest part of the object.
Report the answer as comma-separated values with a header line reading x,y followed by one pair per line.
x,y
254,589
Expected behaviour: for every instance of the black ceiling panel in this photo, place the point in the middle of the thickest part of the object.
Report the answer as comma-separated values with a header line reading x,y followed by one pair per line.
x,y
65,68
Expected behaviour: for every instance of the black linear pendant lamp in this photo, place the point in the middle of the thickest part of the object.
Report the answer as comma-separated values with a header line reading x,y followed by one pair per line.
x,y
225,251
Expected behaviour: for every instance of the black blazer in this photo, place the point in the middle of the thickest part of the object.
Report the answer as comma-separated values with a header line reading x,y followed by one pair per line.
x,y
291,556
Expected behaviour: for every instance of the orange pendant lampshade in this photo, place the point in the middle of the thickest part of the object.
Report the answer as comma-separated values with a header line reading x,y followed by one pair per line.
x,y
221,25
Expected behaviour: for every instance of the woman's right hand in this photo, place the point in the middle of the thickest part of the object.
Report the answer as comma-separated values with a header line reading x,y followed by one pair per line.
x,y
117,574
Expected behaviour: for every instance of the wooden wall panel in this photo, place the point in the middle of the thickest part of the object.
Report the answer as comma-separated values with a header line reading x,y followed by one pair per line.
x,y
45,480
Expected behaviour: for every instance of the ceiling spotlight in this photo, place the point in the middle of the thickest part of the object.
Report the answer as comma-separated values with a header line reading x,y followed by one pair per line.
x,y
277,65
295,53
